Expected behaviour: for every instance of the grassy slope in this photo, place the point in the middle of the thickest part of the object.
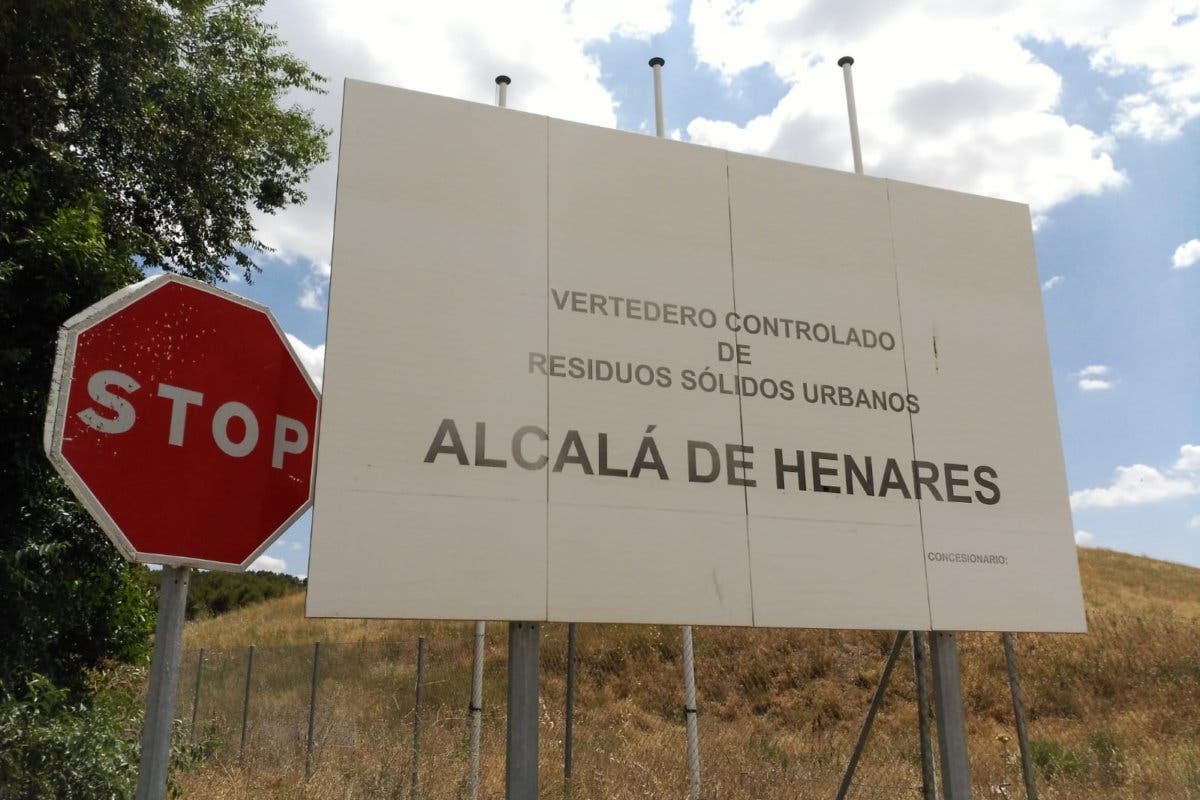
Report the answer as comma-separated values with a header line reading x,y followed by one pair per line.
x,y
1115,713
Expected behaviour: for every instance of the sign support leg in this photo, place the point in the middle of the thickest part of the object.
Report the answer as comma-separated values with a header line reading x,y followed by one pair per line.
x,y
689,714
155,757
1010,659
951,720
476,707
524,650
876,701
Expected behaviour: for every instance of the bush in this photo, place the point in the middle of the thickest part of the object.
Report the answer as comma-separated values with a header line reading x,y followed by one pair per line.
x,y
55,746
1053,760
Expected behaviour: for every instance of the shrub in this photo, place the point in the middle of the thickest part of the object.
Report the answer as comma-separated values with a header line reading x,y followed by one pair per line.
x,y
1053,760
55,746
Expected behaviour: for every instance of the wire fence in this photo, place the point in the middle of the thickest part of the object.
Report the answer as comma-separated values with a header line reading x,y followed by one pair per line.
x,y
779,714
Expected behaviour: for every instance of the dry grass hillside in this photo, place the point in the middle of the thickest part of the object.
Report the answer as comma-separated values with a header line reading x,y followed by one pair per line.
x,y
1114,713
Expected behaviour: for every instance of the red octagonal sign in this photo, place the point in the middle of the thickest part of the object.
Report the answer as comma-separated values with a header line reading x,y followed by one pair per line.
x,y
182,419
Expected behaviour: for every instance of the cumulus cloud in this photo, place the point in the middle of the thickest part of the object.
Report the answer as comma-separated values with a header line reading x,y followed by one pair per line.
x,y
1083,538
313,358
453,48
1139,484
976,110
1189,458
1186,254
1095,378
266,563
1052,282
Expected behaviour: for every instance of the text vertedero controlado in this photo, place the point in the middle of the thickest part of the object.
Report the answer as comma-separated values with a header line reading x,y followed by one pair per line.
x,y
666,313
790,469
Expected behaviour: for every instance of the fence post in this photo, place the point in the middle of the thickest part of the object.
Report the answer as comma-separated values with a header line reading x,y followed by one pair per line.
x,y
246,700
196,694
416,754
928,777
1010,660
312,711
569,729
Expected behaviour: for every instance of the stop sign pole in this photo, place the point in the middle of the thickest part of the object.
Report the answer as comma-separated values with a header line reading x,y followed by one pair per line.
x,y
182,419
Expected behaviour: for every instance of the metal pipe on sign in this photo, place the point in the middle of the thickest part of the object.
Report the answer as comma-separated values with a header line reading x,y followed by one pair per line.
x,y
689,662
951,720
1014,685
502,82
476,707
164,680
656,64
845,62
524,654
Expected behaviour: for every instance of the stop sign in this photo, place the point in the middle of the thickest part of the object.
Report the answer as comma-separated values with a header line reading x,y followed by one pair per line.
x,y
184,422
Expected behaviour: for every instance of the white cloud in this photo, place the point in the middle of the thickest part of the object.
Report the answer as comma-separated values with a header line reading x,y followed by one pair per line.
x,y
977,112
1194,522
313,358
1139,483
1083,538
1052,282
453,48
266,563
1094,378
1189,458
1186,254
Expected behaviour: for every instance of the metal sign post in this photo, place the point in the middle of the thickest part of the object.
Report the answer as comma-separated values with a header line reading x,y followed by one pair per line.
x,y
951,721
524,652
521,757
689,662
164,680
952,734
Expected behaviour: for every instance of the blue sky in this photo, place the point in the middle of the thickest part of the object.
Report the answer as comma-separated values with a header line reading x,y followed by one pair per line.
x,y
1089,115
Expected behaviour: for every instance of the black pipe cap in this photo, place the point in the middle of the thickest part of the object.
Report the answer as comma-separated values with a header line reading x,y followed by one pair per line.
x,y
844,60
503,79
657,61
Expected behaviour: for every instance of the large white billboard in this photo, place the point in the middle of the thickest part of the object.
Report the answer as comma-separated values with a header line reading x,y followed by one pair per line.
x,y
576,374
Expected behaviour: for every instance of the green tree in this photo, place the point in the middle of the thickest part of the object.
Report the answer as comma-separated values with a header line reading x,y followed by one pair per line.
x,y
133,134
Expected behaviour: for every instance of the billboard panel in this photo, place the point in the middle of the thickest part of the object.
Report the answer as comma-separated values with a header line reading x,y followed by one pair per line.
x,y
576,374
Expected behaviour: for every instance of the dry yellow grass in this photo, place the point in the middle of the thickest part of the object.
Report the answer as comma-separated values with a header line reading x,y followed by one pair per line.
x,y
1116,712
